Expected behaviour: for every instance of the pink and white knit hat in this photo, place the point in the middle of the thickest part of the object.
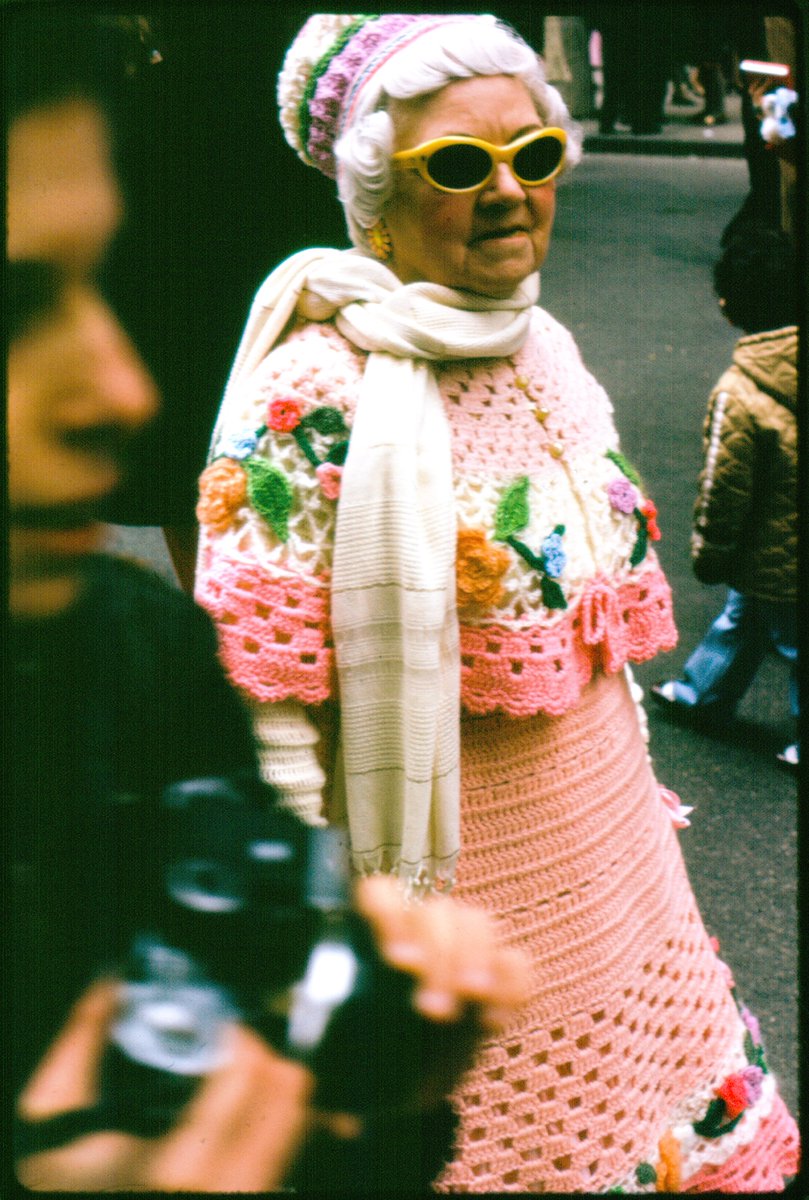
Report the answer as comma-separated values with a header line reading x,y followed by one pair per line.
x,y
332,59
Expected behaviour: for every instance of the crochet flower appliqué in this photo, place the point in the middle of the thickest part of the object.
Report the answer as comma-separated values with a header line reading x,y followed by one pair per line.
x,y
625,495
741,1089
480,568
734,1096
237,472
284,415
222,491
738,1092
511,517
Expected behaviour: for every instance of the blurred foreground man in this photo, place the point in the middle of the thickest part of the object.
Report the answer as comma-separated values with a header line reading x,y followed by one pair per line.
x,y
113,691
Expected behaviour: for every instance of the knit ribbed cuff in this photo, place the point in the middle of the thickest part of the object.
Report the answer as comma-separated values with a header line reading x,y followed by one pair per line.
x,y
288,761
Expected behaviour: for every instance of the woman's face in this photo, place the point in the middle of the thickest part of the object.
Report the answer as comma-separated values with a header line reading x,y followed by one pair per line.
x,y
487,241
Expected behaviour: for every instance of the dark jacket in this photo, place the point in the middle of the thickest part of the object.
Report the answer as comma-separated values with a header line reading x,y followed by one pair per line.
x,y
105,706
745,518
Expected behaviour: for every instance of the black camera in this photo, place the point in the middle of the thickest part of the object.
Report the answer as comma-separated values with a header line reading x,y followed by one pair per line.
x,y
246,915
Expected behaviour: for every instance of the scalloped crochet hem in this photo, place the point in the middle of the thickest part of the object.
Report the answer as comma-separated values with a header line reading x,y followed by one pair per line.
x,y
543,669
275,639
274,630
764,1165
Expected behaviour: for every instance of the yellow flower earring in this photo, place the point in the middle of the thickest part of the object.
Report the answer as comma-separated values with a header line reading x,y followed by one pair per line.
x,y
378,240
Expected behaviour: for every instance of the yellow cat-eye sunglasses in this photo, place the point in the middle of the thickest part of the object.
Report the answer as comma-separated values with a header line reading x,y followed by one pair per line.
x,y
463,164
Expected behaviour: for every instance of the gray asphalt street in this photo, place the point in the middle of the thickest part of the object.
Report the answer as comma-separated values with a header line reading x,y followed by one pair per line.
x,y
629,272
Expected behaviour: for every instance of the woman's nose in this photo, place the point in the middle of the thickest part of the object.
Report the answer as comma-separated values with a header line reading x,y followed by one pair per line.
x,y
504,186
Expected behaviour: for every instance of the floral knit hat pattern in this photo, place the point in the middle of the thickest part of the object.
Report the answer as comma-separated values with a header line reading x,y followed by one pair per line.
x,y
332,59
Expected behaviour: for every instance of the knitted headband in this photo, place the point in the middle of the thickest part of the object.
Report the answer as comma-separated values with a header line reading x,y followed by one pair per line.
x,y
332,59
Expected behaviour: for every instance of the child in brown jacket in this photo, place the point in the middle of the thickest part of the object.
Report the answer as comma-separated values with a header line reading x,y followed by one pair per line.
x,y
745,518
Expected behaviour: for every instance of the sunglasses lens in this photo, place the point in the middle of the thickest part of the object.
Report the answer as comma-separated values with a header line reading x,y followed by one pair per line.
x,y
459,167
538,159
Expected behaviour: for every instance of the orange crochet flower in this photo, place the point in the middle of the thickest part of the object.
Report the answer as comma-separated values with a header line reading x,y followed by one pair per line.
x,y
222,490
668,1169
480,568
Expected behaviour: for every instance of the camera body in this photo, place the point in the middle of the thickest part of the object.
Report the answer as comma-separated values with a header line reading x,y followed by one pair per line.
x,y
247,916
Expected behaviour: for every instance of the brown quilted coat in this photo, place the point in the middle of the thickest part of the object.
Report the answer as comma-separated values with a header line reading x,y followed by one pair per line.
x,y
745,518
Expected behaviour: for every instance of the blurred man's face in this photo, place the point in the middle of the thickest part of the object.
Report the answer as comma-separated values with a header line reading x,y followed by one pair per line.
x,y
77,390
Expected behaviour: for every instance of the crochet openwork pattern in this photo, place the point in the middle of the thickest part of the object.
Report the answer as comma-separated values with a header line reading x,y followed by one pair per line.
x,y
270,599
630,1025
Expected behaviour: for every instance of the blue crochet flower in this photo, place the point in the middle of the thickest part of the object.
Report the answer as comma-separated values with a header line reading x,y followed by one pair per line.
x,y
554,556
239,445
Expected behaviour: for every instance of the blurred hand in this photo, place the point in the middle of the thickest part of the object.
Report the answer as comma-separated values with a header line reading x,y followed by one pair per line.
x,y
451,948
251,1117
239,1132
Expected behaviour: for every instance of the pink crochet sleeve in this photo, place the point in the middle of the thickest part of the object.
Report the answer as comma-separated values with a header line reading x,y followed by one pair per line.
x,y
274,630
267,510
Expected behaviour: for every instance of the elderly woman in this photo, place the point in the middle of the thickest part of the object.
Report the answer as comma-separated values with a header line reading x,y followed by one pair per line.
x,y
430,566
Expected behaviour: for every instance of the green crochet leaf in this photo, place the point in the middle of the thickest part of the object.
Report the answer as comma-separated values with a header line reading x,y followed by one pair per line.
x,y
325,421
552,594
645,1173
624,465
642,544
337,454
713,1124
512,512
270,494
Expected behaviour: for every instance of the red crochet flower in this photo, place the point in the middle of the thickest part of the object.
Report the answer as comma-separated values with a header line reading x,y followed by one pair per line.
x,y
649,510
284,415
735,1093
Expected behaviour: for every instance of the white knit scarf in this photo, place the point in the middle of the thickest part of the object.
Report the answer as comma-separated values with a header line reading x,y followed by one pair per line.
x,y
394,612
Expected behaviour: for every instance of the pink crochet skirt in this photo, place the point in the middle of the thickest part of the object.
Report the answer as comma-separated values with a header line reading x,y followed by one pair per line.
x,y
614,1073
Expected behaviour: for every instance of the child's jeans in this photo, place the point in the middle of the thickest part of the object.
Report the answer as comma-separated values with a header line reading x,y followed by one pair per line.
x,y
721,668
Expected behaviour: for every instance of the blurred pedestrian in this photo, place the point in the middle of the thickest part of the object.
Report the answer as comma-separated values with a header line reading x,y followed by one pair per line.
x,y
635,55
762,204
745,528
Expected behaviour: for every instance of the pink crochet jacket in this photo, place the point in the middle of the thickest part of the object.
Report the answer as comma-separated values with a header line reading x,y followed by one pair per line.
x,y
557,577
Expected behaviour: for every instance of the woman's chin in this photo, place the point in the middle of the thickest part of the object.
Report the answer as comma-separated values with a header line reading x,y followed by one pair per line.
x,y
500,284
499,274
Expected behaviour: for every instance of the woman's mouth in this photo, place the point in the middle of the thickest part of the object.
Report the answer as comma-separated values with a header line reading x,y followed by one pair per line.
x,y
62,531
510,234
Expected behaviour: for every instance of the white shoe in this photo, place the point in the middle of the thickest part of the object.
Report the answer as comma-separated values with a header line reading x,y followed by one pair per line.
x,y
790,756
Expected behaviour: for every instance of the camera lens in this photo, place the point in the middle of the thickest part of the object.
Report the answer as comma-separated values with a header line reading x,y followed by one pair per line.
x,y
206,885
